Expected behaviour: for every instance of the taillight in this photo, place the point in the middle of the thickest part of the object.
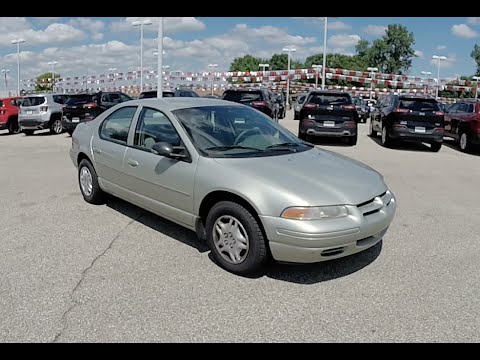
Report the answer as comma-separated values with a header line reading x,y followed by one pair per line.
x,y
2,112
439,130
349,107
308,122
438,113
310,106
259,103
396,126
400,110
43,108
90,105
350,123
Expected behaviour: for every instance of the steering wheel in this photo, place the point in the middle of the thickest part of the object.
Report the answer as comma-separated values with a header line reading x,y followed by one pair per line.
x,y
243,134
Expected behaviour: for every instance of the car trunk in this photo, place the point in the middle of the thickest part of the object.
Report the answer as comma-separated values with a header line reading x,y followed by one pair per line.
x,y
78,107
33,105
329,110
418,115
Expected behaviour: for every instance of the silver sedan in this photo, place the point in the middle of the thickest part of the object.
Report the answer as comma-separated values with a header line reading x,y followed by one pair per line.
x,y
245,184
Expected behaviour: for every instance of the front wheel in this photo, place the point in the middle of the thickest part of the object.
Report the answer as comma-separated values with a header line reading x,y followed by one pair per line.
x,y
465,142
88,181
235,238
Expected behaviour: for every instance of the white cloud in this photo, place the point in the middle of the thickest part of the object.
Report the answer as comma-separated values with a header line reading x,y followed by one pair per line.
x,y
441,47
171,24
464,31
473,20
90,25
54,33
343,41
448,63
419,54
13,24
270,34
375,30
97,36
338,25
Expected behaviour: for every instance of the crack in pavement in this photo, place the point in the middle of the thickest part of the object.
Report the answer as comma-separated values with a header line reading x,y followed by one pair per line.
x,y
82,278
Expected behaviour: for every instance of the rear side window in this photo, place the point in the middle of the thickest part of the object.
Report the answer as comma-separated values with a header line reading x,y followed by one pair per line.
x,y
243,96
419,104
59,99
15,102
1,103
80,100
330,99
34,101
116,126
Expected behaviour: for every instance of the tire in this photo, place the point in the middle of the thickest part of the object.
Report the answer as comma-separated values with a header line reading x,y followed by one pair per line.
x,y
56,126
302,136
295,115
372,133
70,132
95,195
436,146
351,140
237,221
13,127
386,140
28,132
465,142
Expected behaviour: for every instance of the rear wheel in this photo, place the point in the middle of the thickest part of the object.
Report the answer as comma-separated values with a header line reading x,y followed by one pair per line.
x,y
70,132
386,140
56,127
13,127
88,181
295,115
436,146
351,140
465,141
28,132
235,238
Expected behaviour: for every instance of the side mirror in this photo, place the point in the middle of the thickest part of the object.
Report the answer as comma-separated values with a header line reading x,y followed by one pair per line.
x,y
166,149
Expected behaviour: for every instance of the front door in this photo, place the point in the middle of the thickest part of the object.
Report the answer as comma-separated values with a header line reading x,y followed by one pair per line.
x,y
161,184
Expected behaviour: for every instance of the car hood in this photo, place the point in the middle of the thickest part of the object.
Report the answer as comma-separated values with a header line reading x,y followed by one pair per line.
x,y
313,177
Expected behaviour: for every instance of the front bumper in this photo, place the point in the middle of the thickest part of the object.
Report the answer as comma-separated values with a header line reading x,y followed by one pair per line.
x,y
299,241
411,135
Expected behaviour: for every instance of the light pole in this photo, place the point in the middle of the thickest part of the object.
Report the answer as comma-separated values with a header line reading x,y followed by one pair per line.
x,y
425,73
141,24
324,52
212,66
160,59
263,66
53,63
18,42
289,50
5,72
316,67
112,69
476,78
439,58
372,74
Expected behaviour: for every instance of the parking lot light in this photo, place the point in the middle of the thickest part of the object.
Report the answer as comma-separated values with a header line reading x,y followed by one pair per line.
x,y
289,50
439,58
263,66
316,67
372,74
141,24
212,66
5,72
18,42
425,74
160,59
53,63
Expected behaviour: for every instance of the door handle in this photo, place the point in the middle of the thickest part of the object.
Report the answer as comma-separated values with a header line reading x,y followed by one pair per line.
x,y
97,150
132,163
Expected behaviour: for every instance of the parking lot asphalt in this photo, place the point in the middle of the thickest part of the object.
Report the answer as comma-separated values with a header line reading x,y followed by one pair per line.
x,y
74,272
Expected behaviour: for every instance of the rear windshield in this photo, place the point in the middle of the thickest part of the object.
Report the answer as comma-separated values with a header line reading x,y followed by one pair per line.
x,y
419,104
153,94
80,99
243,96
330,99
33,101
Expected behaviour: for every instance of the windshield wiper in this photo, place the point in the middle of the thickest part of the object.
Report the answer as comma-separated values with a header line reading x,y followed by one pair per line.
x,y
230,147
283,147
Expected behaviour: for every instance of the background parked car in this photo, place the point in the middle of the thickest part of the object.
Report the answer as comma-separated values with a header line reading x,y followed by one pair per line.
x,y
281,101
168,93
327,113
408,117
85,107
298,106
41,111
260,99
9,108
462,123
363,109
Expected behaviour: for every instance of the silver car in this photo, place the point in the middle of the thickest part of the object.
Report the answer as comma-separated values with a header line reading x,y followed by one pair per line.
x,y
245,184
298,106
41,111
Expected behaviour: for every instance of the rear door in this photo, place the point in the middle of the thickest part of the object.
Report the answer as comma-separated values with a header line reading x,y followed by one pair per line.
x,y
420,115
329,110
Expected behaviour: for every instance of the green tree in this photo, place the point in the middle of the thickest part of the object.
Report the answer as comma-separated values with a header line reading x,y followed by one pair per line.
x,y
246,63
475,54
280,62
44,82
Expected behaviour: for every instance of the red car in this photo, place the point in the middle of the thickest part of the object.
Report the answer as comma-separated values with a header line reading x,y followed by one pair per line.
x,y
9,114
462,123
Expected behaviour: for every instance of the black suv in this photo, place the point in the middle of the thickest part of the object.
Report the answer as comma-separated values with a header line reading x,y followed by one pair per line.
x,y
259,99
328,113
408,117
86,107
168,93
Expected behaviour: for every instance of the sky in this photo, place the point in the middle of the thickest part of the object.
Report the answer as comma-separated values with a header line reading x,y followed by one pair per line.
x,y
93,45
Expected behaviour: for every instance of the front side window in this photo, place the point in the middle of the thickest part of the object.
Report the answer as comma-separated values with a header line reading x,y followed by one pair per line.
x,y
153,127
234,131
117,125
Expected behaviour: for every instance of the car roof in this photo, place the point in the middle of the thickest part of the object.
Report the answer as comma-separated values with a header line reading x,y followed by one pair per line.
x,y
332,92
176,103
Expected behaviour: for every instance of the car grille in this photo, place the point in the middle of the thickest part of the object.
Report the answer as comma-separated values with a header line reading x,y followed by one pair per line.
x,y
374,205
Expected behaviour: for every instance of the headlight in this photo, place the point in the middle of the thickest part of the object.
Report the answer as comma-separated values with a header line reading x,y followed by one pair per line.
x,y
315,213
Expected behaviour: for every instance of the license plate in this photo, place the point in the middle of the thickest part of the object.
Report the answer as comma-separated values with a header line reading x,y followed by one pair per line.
x,y
329,123
421,114
75,119
419,129
29,112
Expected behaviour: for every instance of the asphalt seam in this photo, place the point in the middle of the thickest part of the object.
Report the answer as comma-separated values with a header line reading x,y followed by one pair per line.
x,y
75,302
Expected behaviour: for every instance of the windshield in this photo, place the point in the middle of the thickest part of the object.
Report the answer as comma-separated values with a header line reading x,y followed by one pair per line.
x,y
79,99
419,104
233,131
33,101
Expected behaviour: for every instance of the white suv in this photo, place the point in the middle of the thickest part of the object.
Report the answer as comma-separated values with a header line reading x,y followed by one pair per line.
x,y
41,111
